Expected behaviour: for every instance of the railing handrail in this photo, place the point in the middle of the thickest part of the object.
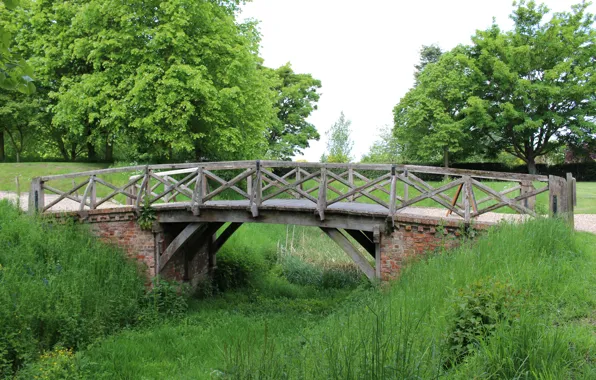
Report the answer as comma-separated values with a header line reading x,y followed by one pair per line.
x,y
189,167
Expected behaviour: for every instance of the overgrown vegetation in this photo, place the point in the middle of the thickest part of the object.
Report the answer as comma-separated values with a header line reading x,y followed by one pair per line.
x,y
61,287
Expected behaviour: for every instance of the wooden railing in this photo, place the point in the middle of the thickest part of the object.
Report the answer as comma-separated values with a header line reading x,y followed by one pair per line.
x,y
320,185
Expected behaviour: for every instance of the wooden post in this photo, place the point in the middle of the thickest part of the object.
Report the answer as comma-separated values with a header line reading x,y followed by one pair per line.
x,y
36,196
18,192
466,186
257,195
377,241
557,189
570,196
527,187
392,195
406,187
249,181
298,178
93,194
351,180
322,199
197,194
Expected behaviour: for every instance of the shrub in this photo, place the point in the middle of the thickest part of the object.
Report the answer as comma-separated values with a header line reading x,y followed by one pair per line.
x,y
165,299
478,310
59,285
238,268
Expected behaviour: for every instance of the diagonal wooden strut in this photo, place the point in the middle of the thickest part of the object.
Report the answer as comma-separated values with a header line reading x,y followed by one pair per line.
x,y
180,242
349,248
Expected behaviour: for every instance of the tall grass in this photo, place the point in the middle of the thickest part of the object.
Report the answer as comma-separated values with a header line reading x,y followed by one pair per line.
x,y
59,286
405,332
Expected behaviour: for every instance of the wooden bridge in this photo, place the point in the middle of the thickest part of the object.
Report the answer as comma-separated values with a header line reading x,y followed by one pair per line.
x,y
374,206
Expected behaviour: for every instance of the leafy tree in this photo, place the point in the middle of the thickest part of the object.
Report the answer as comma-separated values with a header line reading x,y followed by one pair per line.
x,y
386,150
15,73
18,122
339,142
296,99
537,83
428,54
175,76
429,122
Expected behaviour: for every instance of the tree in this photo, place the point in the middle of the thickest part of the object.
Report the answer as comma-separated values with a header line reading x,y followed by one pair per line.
x,y
176,77
296,99
18,122
428,54
339,142
386,150
15,73
429,122
537,83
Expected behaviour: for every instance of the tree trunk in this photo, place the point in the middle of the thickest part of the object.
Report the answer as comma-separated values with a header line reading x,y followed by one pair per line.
x,y
109,156
446,157
18,156
531,162
73,152
2,151
91,154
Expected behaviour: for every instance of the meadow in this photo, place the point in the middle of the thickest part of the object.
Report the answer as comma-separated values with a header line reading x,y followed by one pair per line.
x,y
515,304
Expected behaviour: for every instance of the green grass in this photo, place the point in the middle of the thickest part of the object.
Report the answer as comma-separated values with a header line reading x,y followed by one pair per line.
x,y
278,330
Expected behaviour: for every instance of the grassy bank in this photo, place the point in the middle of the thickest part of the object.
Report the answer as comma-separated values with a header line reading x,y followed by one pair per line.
x,y
518,304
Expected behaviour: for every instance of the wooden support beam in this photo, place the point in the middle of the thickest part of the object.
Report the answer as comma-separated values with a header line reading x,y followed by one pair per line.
x,y
352,251
224,236
180,242
363,240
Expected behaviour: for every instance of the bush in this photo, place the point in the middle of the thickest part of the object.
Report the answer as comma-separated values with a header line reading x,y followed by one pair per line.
x,y
238,268
165,299
479,309
59,285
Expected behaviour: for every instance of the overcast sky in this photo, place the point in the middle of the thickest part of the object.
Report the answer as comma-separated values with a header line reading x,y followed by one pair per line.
x,y
364,52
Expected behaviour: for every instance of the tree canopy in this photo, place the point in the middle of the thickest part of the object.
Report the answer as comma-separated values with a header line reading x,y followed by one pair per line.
x,y
339,142
161,80
526,91
15,73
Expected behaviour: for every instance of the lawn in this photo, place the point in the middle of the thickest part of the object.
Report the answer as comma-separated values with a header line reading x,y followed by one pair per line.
x,y
586,191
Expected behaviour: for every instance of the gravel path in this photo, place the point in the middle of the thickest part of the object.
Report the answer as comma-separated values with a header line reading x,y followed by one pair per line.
x,y
583,222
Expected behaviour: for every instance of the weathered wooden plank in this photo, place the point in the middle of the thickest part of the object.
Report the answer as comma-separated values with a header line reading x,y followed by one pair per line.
x,y
360,189
428,187
455,197
430,194
179,242
322,196
36,196
224,236
169,187
88,190
257,197
293,186
509,202
63,194
498,205
569,198
363,240
142,188
467,184
504,192
352,251
120,190
228,184
276,183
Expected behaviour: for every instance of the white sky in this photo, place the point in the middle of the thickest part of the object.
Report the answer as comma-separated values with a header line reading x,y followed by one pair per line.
x,y
364,52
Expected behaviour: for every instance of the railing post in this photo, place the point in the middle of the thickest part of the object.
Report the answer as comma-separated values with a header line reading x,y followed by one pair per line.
x,y
570,189
93,194
198,194
406,187
558,197
351,180
527,187
257,189
392,195
142,188
36,196
467,187
298,178
322,199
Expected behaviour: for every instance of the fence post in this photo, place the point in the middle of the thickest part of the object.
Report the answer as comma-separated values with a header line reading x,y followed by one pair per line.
x,y
467,186
351,180
527,187
570,199
392,194
406,187
36,196
197,194
93,194
257,189
322,199
298,178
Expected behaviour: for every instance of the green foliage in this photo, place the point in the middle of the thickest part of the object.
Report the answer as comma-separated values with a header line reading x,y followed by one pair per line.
x,y
385,150
147,216
58,363
296,99
479,309
339,142
165,300
58,285
238,268
15,73
526,91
